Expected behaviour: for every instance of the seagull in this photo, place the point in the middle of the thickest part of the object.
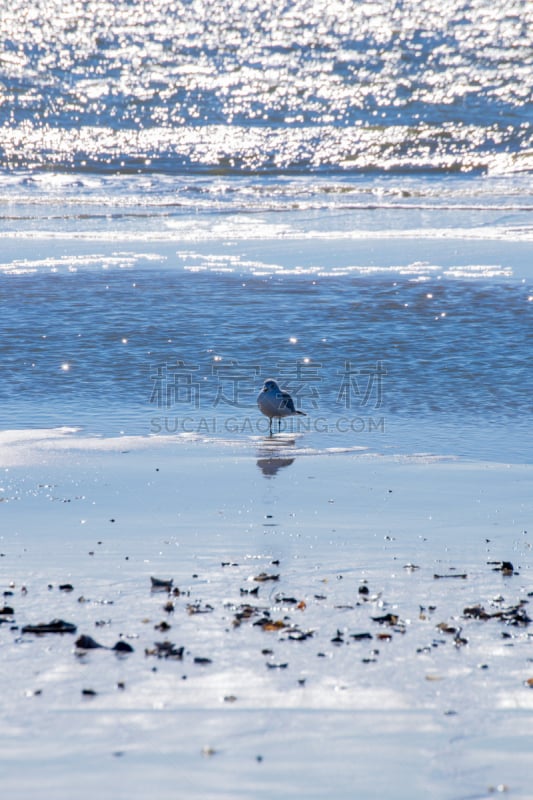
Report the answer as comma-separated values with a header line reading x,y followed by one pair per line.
x,y
274,402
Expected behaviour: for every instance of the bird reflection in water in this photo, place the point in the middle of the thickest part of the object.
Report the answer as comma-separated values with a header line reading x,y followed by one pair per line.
x,y
269,462
271,466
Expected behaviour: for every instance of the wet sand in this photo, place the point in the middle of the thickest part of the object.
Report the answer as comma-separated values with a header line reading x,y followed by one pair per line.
x,y
306,646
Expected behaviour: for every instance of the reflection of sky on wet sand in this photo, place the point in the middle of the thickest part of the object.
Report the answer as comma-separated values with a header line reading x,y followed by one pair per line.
x,y
109,518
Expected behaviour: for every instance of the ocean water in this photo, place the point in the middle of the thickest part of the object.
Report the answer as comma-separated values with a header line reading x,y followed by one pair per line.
x,y
273,86
194,198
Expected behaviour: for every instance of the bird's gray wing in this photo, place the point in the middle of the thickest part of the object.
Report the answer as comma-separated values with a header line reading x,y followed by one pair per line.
x,y
287,401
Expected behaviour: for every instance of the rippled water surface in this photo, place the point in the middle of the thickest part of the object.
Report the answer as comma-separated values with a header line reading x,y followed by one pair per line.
x,y
197,196
381,361
252,86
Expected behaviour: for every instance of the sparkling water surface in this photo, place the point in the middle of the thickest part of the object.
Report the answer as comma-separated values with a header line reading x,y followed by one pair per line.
x,y
194,198
267,86
379,360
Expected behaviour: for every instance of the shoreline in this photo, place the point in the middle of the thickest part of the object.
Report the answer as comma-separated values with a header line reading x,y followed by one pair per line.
x,y
32,447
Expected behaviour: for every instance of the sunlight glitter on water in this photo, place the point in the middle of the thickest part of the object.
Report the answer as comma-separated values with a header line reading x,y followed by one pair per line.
x,y
366,86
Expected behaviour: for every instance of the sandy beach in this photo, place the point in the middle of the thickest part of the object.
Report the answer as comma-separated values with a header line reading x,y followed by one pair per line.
x,y
337,624
196,198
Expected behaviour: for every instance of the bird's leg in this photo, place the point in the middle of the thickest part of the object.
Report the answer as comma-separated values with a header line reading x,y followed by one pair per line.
x,y
279,424
270,425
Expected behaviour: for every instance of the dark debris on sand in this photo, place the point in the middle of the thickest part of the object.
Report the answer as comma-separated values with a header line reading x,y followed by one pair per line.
x,y
362,618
